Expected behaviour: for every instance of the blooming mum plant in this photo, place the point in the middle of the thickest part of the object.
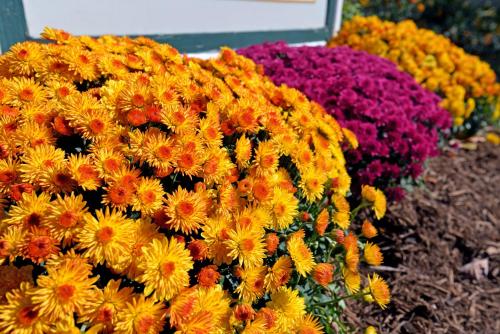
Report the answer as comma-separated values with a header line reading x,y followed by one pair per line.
x,y
467,84
146,192
396,122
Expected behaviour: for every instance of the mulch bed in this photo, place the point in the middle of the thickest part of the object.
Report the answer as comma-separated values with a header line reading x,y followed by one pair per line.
x,y
442,250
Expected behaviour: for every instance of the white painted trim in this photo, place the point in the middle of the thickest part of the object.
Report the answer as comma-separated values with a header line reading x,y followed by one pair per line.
x,y
214,53
338,16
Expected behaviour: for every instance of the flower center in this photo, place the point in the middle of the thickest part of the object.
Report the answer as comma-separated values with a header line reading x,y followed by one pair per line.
x,y
27,94
65,292
247,245
23,53
87,172
138,100
118,195
39,246
186,161
185,208
68,219
84,59
105,234
7,176
167,269
164,152
33,219
148,197
111,164
27,315
63,91
145,323
61,179
268,161
105,314
279,209
96,126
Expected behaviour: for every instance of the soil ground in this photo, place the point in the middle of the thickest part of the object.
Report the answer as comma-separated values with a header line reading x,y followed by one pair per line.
x,y
442,250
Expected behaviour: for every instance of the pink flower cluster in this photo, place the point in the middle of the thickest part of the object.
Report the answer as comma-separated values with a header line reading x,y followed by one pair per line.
x,y
397,122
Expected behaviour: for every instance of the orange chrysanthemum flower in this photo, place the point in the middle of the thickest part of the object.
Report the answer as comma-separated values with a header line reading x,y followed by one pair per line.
x,y
208,276
322,222
323,274
373,255
272,243
368,230
39,245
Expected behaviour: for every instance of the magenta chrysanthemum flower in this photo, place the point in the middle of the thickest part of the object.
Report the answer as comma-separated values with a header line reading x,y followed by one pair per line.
x,y
397,122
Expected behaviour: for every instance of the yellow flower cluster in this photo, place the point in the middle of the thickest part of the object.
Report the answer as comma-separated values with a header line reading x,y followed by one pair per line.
x,y
146,190
432,59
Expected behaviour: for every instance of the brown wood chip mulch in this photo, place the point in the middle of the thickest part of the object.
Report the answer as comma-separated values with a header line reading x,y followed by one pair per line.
x,y
442,250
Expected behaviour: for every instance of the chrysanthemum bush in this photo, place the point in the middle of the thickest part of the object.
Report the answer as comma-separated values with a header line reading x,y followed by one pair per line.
x,y
396,122
146,192
467,84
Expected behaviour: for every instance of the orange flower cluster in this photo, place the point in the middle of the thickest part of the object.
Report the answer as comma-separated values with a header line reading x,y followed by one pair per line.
x,y
145,190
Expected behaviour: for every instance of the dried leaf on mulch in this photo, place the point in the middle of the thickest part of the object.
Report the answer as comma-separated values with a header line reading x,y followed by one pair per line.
x,y
441,247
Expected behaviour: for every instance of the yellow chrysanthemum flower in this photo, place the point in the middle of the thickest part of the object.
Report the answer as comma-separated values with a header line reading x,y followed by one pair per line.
x,y
279,274
66,217
144,232
21,314
31,211
252,284
309,325
35,162
22,91
106,305
243,151
106,237
66,289
149,196
289,306
377,198
215,233
24,58
141,315
284,208
312,184
352,280
379,290
434,61
372,254
186,210
165,264
247,245
301,255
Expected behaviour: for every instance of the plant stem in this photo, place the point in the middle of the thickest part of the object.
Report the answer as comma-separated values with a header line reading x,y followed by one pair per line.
x,y
338,299
363,205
